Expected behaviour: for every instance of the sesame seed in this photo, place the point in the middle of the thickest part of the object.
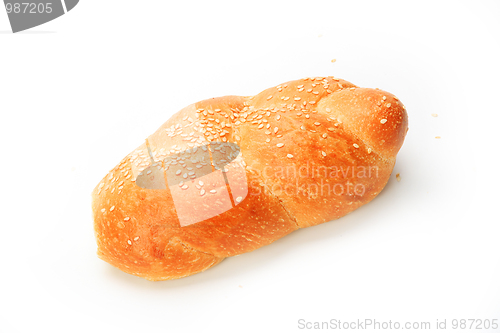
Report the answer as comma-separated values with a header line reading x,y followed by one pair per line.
x,y
384,98
275,130
268,98
268,140
323,153
112,208
296,98
369,150
129,242
120,225
317,124
202,192
324,135
136,238
383,121
278,117
103,210
355,145
238,199
279,145
289,155
149,172
388,105
331,129
185,187
201,183
260,126
213,191
178,172
303,127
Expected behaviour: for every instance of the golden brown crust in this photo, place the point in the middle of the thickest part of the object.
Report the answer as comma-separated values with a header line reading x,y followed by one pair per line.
x,y
301,143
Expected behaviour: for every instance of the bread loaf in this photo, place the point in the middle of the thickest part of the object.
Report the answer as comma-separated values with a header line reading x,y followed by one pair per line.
x,y
228,175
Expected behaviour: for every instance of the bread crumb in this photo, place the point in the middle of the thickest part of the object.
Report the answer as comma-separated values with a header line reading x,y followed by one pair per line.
x,y
438,137
434,115
333,60
398,177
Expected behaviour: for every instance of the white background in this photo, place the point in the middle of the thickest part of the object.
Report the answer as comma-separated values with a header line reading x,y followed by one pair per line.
x,y
79,93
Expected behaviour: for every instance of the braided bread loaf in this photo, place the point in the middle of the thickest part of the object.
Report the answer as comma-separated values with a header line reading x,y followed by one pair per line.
x,y
228,175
